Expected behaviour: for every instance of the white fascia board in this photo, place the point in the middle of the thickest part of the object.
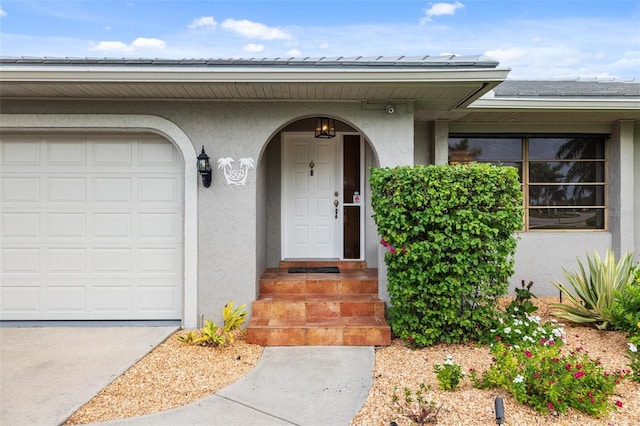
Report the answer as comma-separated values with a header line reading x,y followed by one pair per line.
x,y
243,75
556,104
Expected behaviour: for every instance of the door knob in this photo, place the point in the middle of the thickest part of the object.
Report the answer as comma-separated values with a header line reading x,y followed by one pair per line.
x,y
335,203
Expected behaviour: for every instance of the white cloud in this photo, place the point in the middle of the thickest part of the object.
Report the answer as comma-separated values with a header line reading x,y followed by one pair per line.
x,y
438,9
254,48
113,47
148,43
294,53
2,12
141,43
254,30
205,22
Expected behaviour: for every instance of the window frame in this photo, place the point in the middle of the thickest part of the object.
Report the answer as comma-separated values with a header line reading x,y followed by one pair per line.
x,y
525,166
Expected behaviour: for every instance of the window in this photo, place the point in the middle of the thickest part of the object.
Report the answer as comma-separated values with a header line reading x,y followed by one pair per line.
x,y
562,177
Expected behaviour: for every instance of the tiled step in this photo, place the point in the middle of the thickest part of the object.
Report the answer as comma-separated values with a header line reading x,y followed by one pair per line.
x,y
296,309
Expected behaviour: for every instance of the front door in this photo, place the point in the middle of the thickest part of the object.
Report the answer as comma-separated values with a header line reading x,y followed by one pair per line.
x,y
311,207
322,197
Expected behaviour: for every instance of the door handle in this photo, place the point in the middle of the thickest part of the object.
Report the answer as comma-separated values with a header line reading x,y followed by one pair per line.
x,y
335,203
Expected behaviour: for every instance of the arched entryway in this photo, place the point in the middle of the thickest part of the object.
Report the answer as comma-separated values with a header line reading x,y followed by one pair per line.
x,y
313,195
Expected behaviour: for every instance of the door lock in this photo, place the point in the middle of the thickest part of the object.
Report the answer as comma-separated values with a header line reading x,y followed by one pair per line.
x,y
335,203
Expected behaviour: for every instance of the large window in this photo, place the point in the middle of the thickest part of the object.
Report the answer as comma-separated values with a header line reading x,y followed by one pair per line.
x,y
563,177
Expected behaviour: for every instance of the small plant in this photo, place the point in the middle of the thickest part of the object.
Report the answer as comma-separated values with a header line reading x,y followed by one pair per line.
x,y
634,355
525,331
449,374
415,406
522,304
212,334
543,378
594,290
233,318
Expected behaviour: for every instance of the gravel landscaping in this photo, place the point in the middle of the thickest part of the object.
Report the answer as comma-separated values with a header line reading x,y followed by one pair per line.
x,y
176,374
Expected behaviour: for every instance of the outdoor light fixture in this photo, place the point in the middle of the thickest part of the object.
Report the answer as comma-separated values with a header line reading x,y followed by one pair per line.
x,y
204,167
499,405
325,127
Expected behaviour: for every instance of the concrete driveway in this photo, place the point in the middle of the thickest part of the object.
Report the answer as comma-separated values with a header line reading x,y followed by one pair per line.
x,y
47,373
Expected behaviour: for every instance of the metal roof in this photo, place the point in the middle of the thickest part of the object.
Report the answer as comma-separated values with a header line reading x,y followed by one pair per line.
x,y
446,61
576,88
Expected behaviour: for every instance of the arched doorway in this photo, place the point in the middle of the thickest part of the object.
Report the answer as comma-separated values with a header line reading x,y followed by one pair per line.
x,y
316,195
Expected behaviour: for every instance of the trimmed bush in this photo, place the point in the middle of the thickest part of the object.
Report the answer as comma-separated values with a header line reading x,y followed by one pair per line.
x,y
450,237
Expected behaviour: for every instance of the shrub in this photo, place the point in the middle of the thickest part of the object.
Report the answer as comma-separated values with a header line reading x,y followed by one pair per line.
x,y
594,289
525,331
449,231
540,377
634,354
625,309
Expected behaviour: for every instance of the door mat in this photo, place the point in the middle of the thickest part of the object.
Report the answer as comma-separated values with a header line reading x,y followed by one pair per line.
x,y
315,270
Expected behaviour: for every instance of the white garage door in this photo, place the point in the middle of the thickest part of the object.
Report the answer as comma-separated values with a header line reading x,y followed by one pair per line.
x,y
91,227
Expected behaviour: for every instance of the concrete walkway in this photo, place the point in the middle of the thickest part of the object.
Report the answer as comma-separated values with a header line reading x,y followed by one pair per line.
x,y
47,373
303,385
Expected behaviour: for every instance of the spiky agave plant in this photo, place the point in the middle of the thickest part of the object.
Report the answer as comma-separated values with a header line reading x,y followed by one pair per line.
x,y
593,289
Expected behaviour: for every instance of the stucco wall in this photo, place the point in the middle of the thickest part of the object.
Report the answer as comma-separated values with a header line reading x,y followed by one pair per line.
x,y
233,239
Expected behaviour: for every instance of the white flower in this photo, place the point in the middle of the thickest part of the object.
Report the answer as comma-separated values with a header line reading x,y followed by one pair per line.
x,y
518,379
558,332
517,331
525,338
517,322
507,330
500,320
515,309
632,347
448,360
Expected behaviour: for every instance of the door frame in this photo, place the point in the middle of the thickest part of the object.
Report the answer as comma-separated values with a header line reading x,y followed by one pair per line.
x,y
339,186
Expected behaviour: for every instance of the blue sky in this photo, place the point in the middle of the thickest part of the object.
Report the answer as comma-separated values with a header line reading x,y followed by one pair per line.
x,y
535,38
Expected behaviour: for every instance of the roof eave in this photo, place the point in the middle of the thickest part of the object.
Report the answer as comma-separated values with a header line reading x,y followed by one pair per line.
x,y
556,104
114,74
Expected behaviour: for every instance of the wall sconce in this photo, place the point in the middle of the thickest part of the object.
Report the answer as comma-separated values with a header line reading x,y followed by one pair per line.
x,y
325,127
204,167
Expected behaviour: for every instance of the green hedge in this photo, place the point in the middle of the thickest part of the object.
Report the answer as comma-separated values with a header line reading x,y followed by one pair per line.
x,y
450,237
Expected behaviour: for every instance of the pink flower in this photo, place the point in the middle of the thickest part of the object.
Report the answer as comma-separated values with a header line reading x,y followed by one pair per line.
x,y
550,406
578,374
393,250
619,404
527,354
568,367
498,338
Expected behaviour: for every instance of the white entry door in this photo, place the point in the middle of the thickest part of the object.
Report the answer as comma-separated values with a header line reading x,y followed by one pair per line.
x,y
311,208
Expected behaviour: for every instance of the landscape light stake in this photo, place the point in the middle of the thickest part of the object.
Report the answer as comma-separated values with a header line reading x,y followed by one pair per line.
x,y
499,406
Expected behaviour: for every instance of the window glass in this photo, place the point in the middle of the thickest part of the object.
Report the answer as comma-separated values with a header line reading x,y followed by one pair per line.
x,y
566,195
566,171
541,218
566,148
466,150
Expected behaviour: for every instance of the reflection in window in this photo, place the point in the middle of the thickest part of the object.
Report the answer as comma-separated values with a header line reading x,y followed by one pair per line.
x,y
563,178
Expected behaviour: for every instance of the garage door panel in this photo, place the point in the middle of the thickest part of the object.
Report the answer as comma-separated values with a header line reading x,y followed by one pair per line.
x,y
67,189
112,225
67,260
20,260
20,226
19,300
109,153
97,234
158,190
112,189
20,190
158,225
67,153
66,225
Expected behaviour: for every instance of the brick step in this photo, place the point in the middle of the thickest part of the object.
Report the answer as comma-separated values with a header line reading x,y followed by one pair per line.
x,y
279,281
307,308
346,331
